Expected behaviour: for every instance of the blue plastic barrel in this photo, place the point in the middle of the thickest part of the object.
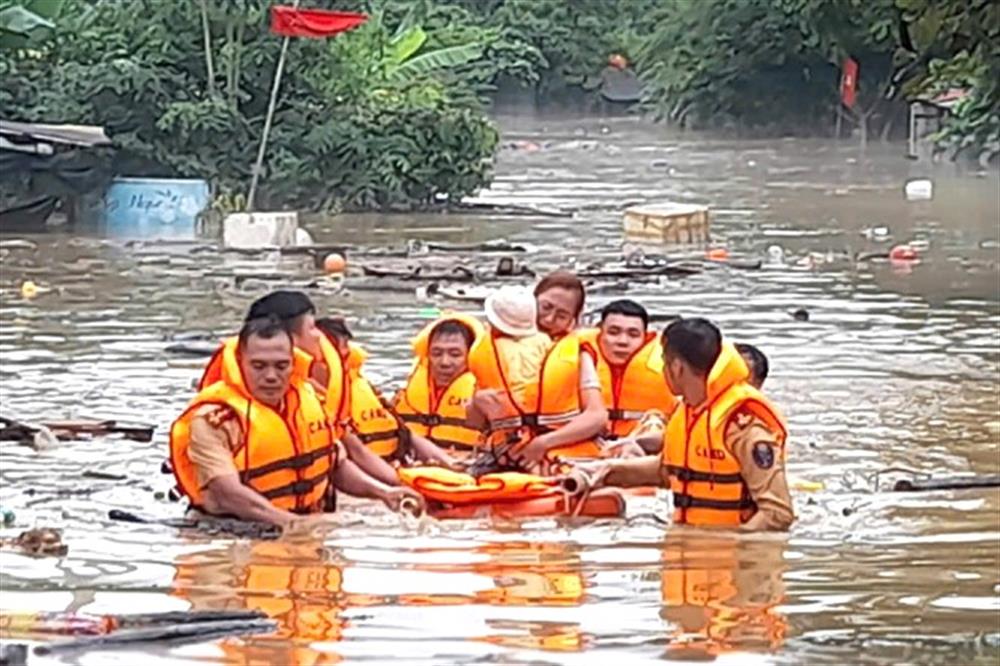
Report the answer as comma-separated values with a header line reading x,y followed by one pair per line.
x,y
147,208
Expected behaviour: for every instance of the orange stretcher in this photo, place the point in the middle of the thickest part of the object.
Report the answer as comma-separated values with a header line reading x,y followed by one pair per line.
x,y
507,494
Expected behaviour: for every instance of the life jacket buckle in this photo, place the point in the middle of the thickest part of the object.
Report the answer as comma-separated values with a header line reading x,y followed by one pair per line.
x,y
301,487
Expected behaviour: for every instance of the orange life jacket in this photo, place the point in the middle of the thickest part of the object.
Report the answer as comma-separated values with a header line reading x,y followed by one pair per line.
x,y
548,405
334,398
284,457
703,473
370,417
440,417
634,390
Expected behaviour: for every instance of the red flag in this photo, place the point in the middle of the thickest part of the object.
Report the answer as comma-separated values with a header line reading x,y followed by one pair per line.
x,y
849,83
292,22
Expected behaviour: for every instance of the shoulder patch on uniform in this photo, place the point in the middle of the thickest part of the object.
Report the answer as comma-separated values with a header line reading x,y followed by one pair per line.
x,y
763,455
219,415
743,418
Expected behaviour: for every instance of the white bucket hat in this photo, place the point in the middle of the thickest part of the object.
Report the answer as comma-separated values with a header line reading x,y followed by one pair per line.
x,y
512,310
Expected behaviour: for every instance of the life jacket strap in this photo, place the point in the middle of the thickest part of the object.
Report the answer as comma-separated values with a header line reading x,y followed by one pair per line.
x,y
682,501
296,488
298,462
369,437
434,420
533,420
452,444
686,474
625,415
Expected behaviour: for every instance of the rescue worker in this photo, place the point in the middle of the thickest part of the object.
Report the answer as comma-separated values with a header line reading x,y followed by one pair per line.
x,y
647,437
257,444
316,360
756,362
373,430
433,402
630,368
723,450
562,412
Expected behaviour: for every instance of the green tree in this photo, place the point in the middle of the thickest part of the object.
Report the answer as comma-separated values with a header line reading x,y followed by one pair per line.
x,y
948,44
742,63
404,137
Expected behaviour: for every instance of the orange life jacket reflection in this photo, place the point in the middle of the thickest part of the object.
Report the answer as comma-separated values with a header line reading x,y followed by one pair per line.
x,y
550,403
632,390
440,416
286,457
333,397
702,472
721,594
292,583
534,574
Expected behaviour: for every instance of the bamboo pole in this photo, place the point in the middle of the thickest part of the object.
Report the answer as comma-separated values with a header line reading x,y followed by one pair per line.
x,y
259,164
207,34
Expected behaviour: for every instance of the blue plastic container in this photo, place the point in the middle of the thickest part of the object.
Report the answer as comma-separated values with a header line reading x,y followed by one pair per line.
x,y
147,208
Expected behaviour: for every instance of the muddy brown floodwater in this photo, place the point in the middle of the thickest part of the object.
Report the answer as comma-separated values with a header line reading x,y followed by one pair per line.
x,y
897,366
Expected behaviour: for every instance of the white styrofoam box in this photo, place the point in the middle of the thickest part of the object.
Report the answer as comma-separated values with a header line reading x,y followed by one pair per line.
x,y
251,230
919,190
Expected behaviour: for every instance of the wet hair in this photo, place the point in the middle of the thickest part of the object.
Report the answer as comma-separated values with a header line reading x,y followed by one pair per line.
x,y
452,327
283,305
563,280
266,328
627,308
756,360
696,341
334,328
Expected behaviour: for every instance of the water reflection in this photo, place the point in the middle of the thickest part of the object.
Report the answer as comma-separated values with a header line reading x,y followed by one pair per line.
x,y
721,593
294,583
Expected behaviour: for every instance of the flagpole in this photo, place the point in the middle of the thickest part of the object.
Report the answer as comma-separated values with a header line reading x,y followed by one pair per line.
x,y
259,164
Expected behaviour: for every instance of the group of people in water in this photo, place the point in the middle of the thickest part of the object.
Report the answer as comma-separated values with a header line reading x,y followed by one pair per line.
x,y
285,415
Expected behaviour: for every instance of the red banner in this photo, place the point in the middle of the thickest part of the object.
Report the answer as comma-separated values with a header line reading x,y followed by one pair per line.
x,y
849,83
292,22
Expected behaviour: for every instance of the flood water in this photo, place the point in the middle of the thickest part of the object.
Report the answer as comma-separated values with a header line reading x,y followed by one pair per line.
x,y
896,367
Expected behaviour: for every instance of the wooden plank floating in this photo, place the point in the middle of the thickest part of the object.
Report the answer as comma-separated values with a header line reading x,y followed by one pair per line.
x,y
668,222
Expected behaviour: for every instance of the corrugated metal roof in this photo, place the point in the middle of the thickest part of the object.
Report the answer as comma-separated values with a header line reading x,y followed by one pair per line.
x,y
87,136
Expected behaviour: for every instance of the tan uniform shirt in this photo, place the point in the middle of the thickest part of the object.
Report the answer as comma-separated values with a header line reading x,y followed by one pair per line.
x,y
762,466
216,434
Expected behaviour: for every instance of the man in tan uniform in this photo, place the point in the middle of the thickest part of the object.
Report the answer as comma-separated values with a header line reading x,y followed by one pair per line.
x,y
215,466
708,374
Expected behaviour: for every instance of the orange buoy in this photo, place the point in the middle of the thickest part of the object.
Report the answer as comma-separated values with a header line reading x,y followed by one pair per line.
x,y
903,253
334,263
717,254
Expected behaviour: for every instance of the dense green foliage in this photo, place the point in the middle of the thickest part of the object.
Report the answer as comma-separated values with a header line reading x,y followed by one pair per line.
x,y
378,117
776,63
392,114
955,45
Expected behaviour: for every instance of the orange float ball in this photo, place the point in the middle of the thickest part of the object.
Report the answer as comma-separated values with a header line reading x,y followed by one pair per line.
x,y
334,263
903,253
718,254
